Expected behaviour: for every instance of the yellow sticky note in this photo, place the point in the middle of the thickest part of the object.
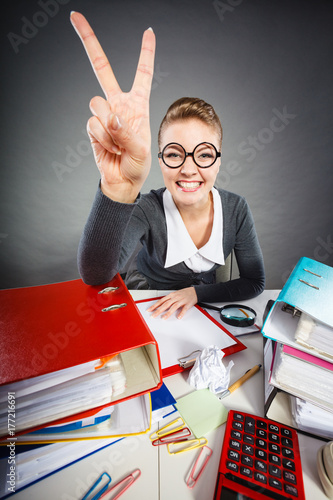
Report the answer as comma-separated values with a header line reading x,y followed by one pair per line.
x,y
202,411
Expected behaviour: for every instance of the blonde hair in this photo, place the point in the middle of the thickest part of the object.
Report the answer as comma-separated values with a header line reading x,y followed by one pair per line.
x,y
191,107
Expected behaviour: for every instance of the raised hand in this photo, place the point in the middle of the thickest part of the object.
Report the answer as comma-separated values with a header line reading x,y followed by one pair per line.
x,y
119,129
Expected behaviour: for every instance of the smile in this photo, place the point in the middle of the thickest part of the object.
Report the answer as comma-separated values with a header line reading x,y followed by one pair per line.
x,y
189,185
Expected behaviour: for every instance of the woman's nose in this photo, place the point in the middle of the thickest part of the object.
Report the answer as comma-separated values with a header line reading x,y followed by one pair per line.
x,y
189,167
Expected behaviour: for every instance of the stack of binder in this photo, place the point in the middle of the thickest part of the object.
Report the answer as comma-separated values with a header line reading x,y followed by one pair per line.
x,y
298,351
78,363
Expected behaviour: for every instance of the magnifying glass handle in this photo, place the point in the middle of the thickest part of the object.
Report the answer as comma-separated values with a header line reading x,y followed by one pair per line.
x,y
209,306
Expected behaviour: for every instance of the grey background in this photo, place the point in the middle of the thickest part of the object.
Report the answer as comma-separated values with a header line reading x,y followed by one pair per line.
x,y
251,59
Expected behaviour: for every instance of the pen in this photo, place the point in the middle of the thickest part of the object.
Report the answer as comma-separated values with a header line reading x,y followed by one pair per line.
x,y
240,381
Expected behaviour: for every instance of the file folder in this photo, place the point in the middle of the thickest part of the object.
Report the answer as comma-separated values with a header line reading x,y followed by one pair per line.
x,y
309,290
48,328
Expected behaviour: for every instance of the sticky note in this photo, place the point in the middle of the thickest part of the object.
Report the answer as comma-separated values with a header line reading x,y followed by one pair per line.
x,y
202,411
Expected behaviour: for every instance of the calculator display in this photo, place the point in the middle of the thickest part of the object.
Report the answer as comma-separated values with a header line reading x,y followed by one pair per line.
x,y
260,460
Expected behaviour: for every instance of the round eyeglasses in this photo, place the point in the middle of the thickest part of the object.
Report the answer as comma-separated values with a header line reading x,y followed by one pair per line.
x,y
204,155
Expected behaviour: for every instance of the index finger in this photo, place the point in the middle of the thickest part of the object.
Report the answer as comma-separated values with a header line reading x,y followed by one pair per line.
x,y
97,57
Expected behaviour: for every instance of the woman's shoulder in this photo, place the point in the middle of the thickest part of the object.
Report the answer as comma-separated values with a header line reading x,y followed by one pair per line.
x,y
231,198
155,196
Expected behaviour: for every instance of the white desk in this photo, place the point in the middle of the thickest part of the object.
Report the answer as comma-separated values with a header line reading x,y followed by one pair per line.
x,y
163,475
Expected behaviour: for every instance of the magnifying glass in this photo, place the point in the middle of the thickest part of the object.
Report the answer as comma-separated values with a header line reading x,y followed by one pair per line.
x,y
234,314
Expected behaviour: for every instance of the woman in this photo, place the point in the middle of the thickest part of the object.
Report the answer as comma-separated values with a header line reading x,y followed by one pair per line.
x,y
186,229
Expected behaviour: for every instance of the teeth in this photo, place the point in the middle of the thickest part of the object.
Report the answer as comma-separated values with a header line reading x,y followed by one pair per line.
x,y
189,185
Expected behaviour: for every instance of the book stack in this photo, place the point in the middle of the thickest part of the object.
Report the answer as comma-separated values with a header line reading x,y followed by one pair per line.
x,y
78,363
298,351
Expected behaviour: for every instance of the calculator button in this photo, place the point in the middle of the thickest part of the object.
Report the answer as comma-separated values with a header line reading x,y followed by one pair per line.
x,y
291,490
261,444
274,437
232,466
261,433
275,483
273,428
289,477
275,471
275,448
246,471
286,452
247,449
249,426
274,459
261,424
260,477
233,455
261,454
246,460
237,425
248,439
239,416
288,464
287,442
286,432
235,444
236,435
261,466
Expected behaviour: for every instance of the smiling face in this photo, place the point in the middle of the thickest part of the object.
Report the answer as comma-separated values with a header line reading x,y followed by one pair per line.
x,y
189,184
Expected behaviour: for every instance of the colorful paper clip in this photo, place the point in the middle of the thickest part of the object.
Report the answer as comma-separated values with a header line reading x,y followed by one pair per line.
x,y
172,437
198,466
123,485
173,426
189,444
95,491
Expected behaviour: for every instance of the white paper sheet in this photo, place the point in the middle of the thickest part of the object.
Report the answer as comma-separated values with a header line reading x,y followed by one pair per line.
x,y
177,338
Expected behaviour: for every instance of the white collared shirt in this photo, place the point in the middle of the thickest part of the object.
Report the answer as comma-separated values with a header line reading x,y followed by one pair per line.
x,y
180,244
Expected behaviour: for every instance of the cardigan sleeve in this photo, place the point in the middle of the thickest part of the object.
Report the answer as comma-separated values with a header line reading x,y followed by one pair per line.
x,y
101,241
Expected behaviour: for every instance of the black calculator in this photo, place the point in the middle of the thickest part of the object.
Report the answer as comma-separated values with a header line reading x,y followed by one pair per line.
x,y
260,460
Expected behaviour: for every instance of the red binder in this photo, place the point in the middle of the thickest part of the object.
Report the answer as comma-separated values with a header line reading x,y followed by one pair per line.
x,y
48,328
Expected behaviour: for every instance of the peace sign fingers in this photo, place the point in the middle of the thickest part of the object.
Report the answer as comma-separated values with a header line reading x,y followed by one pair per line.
x,y
96,55
145,70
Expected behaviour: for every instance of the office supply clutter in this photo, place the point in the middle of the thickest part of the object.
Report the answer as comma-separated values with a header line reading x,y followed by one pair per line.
x,y
56,341
99,491
260,459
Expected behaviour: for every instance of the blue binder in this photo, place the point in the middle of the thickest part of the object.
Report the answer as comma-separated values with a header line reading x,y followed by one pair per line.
x,y
309,289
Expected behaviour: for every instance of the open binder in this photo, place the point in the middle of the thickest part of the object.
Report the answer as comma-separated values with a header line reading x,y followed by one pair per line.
x,y
50,329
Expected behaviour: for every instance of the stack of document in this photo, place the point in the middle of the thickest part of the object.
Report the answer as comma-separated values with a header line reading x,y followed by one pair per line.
x,y
43,452
299,351
57,395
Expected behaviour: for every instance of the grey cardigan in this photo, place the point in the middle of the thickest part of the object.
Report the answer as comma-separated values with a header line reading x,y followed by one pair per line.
x,y
113,230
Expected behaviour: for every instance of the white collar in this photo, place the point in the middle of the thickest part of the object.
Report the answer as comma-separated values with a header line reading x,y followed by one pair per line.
x,y
180,244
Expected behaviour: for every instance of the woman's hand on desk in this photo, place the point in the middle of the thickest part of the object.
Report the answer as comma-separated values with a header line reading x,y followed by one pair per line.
x,y
182,299
119,129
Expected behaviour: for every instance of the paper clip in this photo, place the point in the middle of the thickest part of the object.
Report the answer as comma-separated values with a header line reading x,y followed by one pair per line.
x,y
181,446
115,306
123,485
169,428
109,289
100,491
198,466
172,437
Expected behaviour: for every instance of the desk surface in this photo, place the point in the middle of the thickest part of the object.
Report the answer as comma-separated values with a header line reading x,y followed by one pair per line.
x,y
163,475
